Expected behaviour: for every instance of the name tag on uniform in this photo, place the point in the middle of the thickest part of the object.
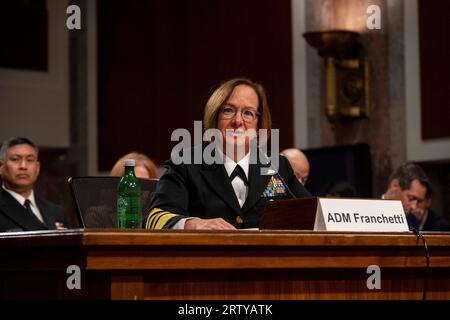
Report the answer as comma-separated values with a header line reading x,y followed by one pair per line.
x,y
370,215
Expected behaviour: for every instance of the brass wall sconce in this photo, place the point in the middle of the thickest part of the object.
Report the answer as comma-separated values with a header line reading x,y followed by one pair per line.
x,y
346,72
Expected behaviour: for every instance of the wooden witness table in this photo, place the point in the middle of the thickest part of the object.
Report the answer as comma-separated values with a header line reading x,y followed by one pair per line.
x,y
221,265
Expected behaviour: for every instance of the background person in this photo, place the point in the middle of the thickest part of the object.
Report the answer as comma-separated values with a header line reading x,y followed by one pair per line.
x,y
431,220
411,185
20,208
299,163
144,167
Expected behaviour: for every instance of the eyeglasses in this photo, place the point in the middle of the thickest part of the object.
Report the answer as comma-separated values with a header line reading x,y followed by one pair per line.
x,y
248,114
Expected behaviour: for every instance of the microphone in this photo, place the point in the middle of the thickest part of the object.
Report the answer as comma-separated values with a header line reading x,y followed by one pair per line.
x,y
419,235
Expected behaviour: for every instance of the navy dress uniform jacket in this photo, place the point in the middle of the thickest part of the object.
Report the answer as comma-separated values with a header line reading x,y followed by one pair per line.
x,y
205,191
14,217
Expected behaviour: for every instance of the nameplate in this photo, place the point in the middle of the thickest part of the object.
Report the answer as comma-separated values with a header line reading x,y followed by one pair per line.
x,y
369,215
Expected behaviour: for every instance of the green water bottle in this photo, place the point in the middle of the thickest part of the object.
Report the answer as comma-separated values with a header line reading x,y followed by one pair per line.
x,y
129,213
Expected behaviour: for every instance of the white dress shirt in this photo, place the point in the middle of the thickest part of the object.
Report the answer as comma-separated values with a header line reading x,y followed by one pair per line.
x,y
240,189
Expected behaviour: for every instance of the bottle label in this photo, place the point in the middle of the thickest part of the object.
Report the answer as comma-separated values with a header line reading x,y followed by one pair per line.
x,y
129,211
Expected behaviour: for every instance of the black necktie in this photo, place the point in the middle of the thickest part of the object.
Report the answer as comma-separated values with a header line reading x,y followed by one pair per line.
x,y
27,205
238,171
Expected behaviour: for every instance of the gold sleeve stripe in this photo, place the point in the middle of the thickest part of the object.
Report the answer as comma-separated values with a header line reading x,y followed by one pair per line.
x,y
157,218
161,221
151,216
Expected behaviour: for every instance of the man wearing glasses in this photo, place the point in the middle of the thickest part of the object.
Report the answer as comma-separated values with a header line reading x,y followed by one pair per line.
x,y
230,194
410,184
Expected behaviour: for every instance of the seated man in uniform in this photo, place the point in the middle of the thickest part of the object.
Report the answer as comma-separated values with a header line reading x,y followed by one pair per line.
x,y
20,208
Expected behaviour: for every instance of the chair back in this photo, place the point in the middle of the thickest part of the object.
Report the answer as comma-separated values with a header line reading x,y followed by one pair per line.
x,y
95,199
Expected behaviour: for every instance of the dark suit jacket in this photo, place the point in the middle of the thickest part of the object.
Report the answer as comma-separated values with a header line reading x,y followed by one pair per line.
x,y
205,191
435,222
14,217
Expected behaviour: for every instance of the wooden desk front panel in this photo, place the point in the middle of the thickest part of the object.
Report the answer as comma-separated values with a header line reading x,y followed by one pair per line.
x,y
221,265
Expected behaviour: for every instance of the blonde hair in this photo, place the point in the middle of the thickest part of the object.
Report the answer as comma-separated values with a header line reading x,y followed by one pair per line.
x,y
141,160
221,95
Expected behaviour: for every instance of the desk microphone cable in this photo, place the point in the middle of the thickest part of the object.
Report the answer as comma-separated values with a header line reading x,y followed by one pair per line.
x,y
427,256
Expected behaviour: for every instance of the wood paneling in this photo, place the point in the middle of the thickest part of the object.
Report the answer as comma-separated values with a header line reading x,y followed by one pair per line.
x,y
434,29
159,61
222,265
292,284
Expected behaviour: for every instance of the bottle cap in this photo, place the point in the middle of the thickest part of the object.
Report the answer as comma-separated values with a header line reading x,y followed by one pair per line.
x,y
128,163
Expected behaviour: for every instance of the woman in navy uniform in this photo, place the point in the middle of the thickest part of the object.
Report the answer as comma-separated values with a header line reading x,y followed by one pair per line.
x,y
232,193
